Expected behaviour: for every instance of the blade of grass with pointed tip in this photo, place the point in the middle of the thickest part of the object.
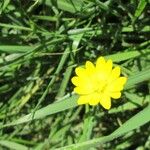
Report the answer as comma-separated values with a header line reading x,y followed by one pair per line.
x,y
141,6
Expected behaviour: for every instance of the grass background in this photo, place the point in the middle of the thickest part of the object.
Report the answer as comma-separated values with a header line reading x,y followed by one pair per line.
x,y
41,43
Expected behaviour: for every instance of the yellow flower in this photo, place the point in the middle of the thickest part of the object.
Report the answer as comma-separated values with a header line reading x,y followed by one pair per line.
x,y
98,83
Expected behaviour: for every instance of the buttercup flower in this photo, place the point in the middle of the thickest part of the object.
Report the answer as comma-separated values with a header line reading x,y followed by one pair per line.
x,y
98,83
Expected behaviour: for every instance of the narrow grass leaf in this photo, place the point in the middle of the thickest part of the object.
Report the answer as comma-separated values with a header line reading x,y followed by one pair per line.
x,y
137,78
141,6
127,55
16,48
71,6
13,145
4,5
15,27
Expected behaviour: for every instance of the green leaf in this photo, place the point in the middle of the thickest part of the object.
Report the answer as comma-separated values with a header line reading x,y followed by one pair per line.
x,y
13,145
4,5
16,48
137,78
123,56
141,6
71,6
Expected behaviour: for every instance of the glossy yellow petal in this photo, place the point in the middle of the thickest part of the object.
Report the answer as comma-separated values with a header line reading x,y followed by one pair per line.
x,y
103,71
105,101
83,90
81,72
100,63
75,81
108,66
89,65
117,85
114,74
83,100
94,99
90,68
81,81
115,95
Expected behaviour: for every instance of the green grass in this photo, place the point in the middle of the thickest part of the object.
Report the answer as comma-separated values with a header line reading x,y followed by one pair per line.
x,y
41,43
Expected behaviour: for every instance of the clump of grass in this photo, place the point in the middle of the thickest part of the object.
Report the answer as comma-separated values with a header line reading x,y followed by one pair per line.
x,y
40,45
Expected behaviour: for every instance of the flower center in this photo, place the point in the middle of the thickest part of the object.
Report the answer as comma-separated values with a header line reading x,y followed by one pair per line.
x,y
101,87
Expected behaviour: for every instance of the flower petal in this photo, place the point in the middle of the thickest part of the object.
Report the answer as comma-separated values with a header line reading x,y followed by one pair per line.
x,y
115,95
90,68
114,74
94,100
108,66
83,90
81,72
100,63
116,85
83,100
81,81
103,70
105,101
75,81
